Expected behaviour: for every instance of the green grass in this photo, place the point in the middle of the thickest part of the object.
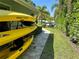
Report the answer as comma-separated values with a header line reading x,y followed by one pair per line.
x,y
62,48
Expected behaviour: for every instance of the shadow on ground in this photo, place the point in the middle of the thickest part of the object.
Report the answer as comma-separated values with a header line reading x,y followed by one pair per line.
x,y
48,51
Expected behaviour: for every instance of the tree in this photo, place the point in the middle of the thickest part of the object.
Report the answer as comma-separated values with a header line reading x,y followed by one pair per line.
x,y
60,14
43,13
53,6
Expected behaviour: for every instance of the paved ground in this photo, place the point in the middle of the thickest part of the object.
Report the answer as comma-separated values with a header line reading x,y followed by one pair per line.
x,y
35,51
48,51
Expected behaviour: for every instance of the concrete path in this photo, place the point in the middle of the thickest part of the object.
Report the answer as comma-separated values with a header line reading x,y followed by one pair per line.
x,y
35,51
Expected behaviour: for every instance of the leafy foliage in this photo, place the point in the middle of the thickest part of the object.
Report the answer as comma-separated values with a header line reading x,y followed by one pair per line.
x,y
64,17
43,12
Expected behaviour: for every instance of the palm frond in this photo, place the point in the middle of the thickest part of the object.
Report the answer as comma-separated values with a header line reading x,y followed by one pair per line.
x,y
53,6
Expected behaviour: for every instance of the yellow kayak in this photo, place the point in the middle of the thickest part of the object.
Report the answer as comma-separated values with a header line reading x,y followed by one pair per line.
x,y
7,54
8,36
14,41
15,16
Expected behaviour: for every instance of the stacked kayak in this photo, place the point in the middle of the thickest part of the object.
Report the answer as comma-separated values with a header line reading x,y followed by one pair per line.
x,y
13,42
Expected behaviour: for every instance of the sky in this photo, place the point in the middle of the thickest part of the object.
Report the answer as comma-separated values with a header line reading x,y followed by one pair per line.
x,y
47,3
